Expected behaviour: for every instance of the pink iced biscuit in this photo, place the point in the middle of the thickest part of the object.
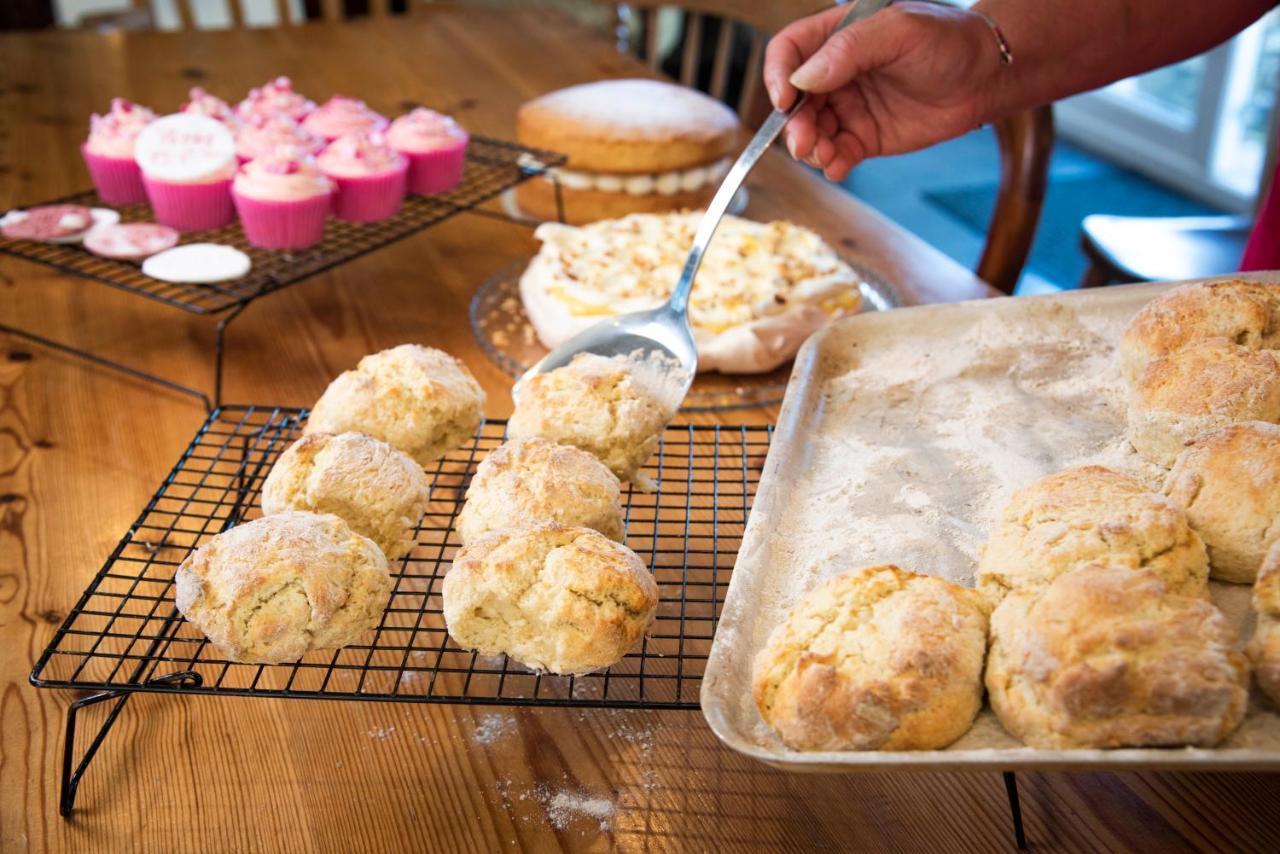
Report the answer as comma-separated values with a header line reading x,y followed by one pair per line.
x,y
436,147
262,134
340,116
276,97
130,241
108,152
370,176
201,103
187,162
282,199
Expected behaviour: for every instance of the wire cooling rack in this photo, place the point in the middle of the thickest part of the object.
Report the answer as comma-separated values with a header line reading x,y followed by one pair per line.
x,y
125,634
492,166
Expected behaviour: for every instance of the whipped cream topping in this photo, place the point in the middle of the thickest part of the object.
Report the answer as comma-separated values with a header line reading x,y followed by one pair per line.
x,y
360,153
635,184
201,103
276,97
262,134
286,174
341,115
113,134
422,130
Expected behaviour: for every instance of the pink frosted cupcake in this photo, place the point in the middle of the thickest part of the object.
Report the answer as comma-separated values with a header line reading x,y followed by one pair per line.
x,y
187,162
282,199
201,103
370,176
340,116
273,98
436,147
108,152
262,134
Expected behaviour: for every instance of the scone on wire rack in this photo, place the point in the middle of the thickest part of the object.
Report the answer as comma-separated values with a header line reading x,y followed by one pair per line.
x,y
879,658
418,399
527,482
597,404
554,598
1244,312
377,490
1075,517
1107,657
1201,387
273,589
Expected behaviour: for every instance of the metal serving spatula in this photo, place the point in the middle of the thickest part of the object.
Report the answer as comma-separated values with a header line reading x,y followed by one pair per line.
x,y
662,337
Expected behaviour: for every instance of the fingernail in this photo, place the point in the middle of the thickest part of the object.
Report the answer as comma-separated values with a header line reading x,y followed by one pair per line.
x,y
771,86
811,73
791,146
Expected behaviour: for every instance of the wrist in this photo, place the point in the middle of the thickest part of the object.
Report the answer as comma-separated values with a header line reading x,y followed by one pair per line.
x,y
996,58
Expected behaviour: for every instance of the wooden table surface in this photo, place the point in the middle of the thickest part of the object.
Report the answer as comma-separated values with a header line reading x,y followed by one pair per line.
x,y
81,449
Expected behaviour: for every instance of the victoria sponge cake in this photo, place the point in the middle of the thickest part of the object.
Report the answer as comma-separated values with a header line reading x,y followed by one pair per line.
x,y
632,145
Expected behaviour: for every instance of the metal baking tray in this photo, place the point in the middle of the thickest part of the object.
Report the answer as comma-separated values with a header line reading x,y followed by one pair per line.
x,y
901,437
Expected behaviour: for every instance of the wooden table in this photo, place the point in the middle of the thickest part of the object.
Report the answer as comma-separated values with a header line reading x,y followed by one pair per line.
x,y
81,449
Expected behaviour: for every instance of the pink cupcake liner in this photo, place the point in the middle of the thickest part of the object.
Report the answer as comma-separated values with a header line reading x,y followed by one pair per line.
x,y
436,171
369,198
191,207
118,180
293,224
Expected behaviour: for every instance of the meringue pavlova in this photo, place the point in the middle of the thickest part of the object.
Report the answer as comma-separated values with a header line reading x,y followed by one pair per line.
x,y
763,288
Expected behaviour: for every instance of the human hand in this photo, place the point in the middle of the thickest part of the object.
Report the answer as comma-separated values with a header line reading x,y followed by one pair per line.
x,y
909,76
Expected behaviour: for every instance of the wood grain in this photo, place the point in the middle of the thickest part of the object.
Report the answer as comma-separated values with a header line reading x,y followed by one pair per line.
x,y
81,450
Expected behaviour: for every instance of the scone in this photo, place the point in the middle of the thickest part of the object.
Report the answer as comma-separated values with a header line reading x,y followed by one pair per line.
x,y
875,659
1203,386
632,145
379,491
270,590
1247,313
418,399
564,600
1066,520
596,404
1264,649
1108,657
1229,482
529,482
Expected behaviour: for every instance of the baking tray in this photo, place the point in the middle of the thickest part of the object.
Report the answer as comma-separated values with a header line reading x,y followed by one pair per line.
x,y
900,440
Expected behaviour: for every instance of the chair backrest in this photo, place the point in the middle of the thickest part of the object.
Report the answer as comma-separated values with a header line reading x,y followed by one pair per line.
x,y
328,10
1025,138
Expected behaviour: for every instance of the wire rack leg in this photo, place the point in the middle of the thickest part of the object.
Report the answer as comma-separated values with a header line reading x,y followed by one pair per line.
x,y
1015,809
73,773
218,349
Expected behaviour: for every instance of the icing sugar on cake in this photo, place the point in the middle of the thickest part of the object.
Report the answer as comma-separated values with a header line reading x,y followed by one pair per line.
x,y
642,108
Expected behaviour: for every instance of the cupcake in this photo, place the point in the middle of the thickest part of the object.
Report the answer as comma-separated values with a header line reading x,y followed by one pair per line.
x,y
108,152
201,103
436,147
282,199
369,174
341,115
188,162
262,134
276,97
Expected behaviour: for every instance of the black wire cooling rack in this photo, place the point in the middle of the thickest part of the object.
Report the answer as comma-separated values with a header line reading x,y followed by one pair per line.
x,y
492,166
124,635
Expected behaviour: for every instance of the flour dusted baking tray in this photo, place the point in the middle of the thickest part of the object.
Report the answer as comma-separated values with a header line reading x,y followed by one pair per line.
x,y
901,438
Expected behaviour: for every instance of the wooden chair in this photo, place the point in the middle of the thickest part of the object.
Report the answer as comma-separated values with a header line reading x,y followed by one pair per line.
x,y
733,30
142,15
1124,249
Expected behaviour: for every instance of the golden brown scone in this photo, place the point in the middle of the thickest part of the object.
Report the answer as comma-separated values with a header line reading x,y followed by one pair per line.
x,y
1066,520
536,198
528,482
565,600
875,659
1229,482
379,491
270,590
1246,313
1203,386
1264,649
595,404
1108,657
629,126
418,399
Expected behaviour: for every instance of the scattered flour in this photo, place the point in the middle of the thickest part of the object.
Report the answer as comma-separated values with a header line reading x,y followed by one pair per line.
x,y
563,808
493,727
381,732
